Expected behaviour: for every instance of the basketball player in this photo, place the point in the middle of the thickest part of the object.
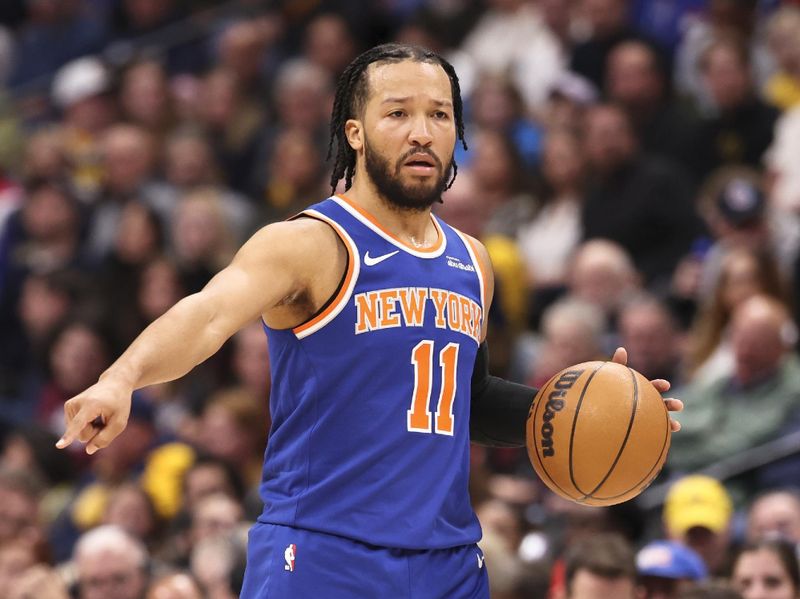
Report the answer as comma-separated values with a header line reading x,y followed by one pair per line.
x,y
374,311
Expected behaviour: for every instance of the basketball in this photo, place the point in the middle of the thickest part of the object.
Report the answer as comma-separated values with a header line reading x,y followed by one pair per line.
x,y
598,433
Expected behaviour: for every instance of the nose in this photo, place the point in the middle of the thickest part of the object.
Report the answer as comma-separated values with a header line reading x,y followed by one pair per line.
x,y
420,133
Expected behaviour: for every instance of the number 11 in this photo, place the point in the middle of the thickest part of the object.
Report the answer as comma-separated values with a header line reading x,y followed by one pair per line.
x,y
419,415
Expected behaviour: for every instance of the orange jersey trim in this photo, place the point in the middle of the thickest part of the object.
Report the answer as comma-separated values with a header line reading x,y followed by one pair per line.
x,y
346,288
374,222
481,269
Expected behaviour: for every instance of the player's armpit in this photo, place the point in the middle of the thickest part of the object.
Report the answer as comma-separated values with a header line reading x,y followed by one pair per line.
x,y
499,408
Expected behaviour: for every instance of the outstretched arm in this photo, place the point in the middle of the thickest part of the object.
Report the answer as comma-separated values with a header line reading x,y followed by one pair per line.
x,y
274,266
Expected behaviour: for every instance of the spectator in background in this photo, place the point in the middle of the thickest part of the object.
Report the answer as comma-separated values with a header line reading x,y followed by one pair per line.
x,y
145,99
667,568
740,127
45,156
175,586
719,589
218,563
295,173
81,90
6,55
783,172
190,165
721,18
637,78
54,33
329,43
45,302
754,402
39,581
650,333
767,570
233,429
608,25
499,175
698,514
43,236
15,559
135,21
568,99
633,199
202,240
232,124
250,361
464,205
743,274
511,38
243,51
302,93
739,215
81,351
213,516
20,498
783,37
558,16
601,566
87,504
138,242
130,508
129,161
208,477
503,562
29,449
775,514
110,563
496,105
548,240
160,288
572,332
602,274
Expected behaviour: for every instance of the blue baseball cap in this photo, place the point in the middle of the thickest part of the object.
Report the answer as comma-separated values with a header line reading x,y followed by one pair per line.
x,y
668,559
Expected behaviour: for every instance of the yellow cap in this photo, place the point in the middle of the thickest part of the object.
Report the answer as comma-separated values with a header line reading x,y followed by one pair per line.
x,y
697,501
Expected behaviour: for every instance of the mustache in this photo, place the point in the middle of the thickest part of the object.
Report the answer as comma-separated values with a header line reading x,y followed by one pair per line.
x,y
426,151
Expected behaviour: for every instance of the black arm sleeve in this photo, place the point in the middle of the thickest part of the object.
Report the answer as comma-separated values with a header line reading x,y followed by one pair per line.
x,y
499,408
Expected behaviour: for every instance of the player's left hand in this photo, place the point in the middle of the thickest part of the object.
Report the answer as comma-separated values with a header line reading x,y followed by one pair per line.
x,y
661,385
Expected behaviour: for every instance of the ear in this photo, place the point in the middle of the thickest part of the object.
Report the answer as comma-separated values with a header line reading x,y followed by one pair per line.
x,y
354,132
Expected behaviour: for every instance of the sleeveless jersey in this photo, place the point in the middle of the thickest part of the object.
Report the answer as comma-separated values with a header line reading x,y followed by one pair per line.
x,y
370,399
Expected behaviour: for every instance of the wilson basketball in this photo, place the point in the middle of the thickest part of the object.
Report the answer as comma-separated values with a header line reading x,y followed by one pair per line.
x,y
598,433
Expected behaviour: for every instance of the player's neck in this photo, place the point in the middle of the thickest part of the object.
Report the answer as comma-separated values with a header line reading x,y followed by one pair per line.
x,y
415,227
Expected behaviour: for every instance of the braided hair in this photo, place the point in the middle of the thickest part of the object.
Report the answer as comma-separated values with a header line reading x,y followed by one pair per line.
x,y
351,96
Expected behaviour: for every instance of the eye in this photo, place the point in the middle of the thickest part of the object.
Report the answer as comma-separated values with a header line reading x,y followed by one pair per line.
x,y
397,114
441,115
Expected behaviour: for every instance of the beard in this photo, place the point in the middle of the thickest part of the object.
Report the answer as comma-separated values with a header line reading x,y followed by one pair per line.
x,y
416,196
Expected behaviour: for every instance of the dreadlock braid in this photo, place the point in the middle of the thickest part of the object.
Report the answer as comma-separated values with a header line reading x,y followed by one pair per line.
x,y
351,96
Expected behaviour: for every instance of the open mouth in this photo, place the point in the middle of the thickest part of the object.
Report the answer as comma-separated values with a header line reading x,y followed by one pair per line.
x,y
422,163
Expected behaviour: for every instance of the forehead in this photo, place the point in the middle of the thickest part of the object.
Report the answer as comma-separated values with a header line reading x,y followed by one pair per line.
x,y
408,79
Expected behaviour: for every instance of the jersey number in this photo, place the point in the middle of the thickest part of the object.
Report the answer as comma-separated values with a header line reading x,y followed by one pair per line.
x,y
419,416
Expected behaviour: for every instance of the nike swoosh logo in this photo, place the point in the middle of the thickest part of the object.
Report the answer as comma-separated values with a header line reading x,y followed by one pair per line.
x,y
370,261
480,561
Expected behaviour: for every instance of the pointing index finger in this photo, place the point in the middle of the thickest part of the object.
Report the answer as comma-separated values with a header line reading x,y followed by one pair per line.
x,y
74,426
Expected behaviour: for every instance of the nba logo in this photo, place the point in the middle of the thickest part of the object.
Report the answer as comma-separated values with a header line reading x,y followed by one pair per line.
x,y
288,555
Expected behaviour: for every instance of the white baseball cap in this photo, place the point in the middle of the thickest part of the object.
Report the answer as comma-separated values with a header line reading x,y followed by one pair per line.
x,y
80,79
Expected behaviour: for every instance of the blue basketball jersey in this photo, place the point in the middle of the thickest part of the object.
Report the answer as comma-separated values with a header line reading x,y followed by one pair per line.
x,y
370,399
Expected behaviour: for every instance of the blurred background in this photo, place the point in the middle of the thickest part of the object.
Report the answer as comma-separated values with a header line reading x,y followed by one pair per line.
x,y
633,169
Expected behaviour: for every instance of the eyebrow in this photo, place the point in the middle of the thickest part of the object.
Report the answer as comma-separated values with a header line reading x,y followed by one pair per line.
x,y
399,100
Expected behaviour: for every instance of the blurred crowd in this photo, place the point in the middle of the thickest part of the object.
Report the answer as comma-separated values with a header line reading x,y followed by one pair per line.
x,y
633,169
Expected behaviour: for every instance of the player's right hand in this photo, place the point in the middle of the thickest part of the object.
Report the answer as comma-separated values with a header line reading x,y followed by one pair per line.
x,y
97,415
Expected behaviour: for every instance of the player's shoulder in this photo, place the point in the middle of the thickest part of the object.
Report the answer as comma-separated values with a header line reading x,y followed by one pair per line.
x,y
301,240
477,246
